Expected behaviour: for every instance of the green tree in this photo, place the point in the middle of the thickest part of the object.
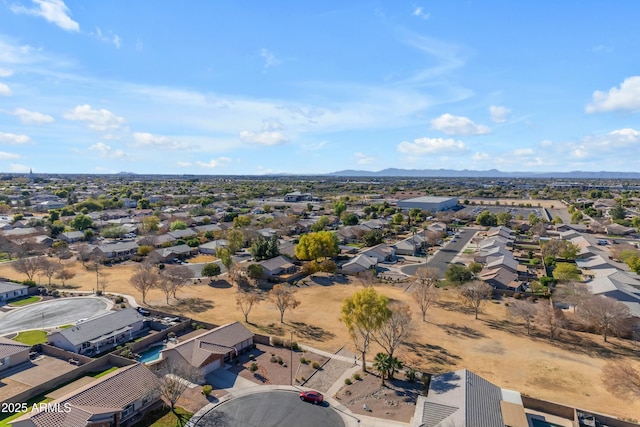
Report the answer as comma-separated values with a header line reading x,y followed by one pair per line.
x,y
349,219
211,270
458,274
144,204
576,217
382,364
503,218
363,313
373,237
617,212
178,225
235,240
321,224
339,207
255,271
398,219
151,224
82,222
241,221
486,219
566,272
225,257
315,245
475,268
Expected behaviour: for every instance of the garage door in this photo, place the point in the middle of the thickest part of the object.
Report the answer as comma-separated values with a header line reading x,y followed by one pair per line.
x,y
211,367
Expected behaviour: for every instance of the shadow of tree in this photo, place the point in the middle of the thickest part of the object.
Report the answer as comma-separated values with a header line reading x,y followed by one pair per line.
x,y
455,306
193,305
436,355
220,284
270,329
304,331
461,331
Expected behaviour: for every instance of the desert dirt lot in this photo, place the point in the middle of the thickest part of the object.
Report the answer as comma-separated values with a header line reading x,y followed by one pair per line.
x,y
509,202
494,346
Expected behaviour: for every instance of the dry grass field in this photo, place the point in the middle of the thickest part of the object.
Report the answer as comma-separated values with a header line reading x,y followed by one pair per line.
x,y
495,347
515,202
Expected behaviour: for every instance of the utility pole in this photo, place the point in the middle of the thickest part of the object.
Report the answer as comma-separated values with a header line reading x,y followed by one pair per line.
x,y
291,355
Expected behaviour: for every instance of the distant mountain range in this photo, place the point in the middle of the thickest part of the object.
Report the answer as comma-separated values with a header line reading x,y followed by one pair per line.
x,y
491,173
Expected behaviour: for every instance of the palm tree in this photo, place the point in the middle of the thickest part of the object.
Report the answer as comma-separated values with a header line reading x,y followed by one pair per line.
x,y
382,364
394,366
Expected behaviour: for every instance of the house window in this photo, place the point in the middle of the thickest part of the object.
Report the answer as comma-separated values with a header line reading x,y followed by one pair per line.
x,y
127,411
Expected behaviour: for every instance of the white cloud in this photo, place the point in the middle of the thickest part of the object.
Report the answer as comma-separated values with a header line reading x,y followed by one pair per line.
x,y
421,146
4,90
314,146
6,156
14,139
145,139
546,143
626,97
263,138
269,57
16,167
498,113
625,136
99,120
363,159
523,152
54,11
580,152
215,163
107,152
109,37
458,125
184,164
5,72
480,156
420,13
32,117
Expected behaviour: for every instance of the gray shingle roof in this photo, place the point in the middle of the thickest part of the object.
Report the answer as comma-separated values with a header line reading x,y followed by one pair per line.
x,y
10,347
10,286
100,326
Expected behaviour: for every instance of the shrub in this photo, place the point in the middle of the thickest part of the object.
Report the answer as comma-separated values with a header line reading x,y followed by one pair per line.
x,y
295,346
206,389
253,367
347,381
277,342
517,295
252,357
411,375
279,360
273,359
315,365
304,360
123,305
119,300
357,377
29,283
98,292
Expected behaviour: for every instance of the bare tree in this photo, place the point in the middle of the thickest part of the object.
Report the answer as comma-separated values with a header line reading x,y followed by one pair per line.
x,y
178,277
367,278
103,282
165,285
525,310
572,293
245,301
424,290
49,268
65,274
605,315
29,266
174,378
622,379
284,299
84,253
397,329
144,279
474,293
552,317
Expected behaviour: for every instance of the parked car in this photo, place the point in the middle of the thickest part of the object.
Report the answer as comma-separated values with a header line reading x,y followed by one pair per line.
x,y
143,311
314,397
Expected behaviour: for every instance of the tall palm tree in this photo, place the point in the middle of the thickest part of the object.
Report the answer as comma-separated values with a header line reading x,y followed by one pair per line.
x,y
382,364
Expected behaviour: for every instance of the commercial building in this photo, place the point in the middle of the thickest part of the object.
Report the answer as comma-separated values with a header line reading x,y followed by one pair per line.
x,y
429,203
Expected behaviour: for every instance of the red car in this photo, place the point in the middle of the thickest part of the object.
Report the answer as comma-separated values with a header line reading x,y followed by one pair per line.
x,y
314,397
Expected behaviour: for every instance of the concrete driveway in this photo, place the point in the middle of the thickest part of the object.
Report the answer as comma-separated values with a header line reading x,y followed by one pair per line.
x,y
49,314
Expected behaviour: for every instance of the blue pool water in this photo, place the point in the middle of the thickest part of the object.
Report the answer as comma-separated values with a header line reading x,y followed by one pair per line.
x,y
152,354
541,423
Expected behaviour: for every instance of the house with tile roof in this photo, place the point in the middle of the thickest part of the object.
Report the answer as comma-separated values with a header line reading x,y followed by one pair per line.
x,y
210,350
12,353
116,399
100,334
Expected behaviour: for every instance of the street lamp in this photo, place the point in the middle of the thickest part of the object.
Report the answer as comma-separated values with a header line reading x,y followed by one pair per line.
x,y
291,356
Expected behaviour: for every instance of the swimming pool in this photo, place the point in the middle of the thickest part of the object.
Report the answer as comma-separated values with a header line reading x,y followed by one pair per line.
x,y
542,423
152,354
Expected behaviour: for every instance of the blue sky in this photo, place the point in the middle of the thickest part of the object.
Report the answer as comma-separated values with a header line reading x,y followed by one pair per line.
x,y
248,87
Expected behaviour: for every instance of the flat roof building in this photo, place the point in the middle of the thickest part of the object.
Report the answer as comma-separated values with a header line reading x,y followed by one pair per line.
x,y
429,203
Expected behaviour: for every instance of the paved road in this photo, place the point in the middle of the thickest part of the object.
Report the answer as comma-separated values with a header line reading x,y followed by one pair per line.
x,y
445,255
274,409
52,313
